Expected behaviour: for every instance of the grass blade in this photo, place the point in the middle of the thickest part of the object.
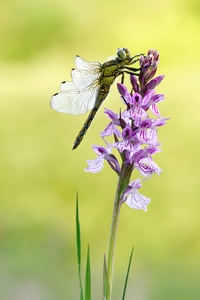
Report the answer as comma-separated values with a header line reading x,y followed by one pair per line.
x,y
106,286
78,245
127,274
88,278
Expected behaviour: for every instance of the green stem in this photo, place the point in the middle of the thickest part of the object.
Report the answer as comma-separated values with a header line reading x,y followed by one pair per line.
x,y
113,234
123,181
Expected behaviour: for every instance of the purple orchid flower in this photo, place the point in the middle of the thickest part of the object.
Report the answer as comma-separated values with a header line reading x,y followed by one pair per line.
x,y
134,132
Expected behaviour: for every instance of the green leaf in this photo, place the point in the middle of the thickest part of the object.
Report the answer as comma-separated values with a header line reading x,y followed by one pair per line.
x,y
127,274
78,245
106,286
88,278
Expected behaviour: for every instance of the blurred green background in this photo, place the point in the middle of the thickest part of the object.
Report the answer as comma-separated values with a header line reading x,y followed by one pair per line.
x,y
40,175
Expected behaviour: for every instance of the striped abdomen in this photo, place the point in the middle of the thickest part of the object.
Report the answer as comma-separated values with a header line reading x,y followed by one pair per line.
x,y
101,97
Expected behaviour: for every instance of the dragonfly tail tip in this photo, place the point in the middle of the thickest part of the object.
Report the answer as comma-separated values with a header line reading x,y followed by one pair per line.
x,y
74,147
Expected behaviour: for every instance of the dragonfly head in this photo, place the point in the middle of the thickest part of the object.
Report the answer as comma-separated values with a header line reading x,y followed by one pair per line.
x,y
123,53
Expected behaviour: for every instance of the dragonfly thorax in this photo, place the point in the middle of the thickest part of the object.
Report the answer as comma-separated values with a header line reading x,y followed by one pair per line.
x,y
115,67
109,73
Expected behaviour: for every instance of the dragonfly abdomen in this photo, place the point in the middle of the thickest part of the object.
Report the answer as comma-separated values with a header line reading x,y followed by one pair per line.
x,y
85,127
100,98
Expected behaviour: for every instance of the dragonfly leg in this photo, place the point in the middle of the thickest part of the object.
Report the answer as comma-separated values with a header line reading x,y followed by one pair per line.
x,y
137,55
122,78
132,73
136,58
133,69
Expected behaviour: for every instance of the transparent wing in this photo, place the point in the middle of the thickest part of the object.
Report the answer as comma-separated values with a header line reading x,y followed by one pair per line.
x,y
83,64
83,79
73,101
86,73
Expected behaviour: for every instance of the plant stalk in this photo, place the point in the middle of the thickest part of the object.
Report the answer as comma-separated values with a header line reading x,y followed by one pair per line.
x,y
123,181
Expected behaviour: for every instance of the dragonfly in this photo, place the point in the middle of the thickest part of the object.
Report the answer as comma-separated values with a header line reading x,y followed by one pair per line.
x,y
90,85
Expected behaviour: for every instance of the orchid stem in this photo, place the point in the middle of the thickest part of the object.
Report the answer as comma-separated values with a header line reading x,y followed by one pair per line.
x,y
123,181
113,235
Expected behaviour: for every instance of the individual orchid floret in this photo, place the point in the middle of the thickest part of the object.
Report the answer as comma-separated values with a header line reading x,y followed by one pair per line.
x,y
133,198
147,166
96,165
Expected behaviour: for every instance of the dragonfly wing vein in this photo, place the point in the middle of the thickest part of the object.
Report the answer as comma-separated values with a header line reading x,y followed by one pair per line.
x,y
83,79
83,64
73,101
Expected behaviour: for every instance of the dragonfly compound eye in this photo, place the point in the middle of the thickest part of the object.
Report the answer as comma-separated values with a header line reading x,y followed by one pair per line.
x,y
121,53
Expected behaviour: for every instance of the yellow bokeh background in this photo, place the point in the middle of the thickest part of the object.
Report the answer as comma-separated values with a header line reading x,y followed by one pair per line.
x,y
40,175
